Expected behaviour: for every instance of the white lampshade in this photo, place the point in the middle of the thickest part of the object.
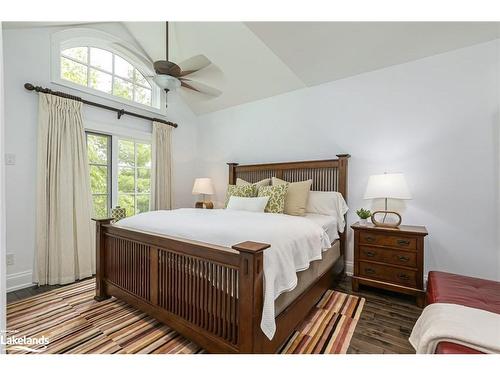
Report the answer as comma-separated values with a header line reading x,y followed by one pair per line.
x,y
203,186
389,185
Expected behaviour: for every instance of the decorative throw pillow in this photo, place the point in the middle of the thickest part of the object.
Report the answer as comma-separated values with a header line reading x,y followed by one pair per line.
x,y
296,198
254,204
264,182
276,194
240,191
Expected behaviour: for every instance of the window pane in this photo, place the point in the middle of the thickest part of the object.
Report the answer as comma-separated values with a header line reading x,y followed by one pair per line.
x,y
100,81
143,155
142,203
143,180
123,68
142,95
98,179
126,180
139,78
73,71
123,89
128,203
101,59
100,206
97,148
77,53
126,153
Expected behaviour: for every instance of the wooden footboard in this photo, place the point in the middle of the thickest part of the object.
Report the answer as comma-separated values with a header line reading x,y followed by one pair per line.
x,y
210,294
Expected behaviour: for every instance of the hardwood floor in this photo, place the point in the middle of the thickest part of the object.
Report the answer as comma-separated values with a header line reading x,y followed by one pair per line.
x,y
385,323
384,326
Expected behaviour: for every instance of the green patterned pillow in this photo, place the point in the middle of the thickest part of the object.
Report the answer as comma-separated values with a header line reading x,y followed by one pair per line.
x,y
276,194
246,191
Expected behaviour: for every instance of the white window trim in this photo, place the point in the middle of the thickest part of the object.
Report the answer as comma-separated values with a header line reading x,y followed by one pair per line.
x,y
117,133
82,37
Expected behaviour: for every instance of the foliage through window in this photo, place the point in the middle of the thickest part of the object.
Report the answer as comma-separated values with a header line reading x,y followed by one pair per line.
x,y
134,176
99,155
106,72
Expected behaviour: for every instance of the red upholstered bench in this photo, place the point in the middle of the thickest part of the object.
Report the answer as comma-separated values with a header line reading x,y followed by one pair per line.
x,y
446,287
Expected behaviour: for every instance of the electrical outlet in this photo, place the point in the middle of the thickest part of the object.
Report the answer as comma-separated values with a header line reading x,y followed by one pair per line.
x,y
10,259
10,159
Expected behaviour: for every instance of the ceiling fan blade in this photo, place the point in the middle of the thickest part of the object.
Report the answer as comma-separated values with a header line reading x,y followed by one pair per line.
x,y
193,64
166,67
200,87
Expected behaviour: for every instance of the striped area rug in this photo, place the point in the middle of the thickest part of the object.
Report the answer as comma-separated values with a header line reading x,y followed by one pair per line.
x,y
75,323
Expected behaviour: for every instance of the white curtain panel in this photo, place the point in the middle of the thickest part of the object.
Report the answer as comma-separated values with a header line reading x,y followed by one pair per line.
x,y
161,179
65,239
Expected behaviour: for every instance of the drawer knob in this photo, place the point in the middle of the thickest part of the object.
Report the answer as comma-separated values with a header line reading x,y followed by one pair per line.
x,y
370,254
370,239
402,258
404,276
404,242
370,271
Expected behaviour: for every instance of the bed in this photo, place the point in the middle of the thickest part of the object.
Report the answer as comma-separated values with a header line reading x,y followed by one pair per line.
x,y
212,290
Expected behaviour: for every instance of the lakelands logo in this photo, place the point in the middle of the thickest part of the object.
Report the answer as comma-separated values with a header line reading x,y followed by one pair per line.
x,y
15,343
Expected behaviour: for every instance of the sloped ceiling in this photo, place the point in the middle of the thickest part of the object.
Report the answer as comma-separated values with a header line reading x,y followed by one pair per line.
x,y
256,60
263,59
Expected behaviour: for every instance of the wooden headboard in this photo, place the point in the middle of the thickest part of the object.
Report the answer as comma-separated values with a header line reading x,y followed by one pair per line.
x,y
327,175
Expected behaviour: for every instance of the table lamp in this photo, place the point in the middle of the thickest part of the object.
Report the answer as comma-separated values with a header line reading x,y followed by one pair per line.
x,y
203,186
387,186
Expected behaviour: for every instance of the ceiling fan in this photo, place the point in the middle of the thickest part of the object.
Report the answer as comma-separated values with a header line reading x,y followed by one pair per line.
x,y
171,76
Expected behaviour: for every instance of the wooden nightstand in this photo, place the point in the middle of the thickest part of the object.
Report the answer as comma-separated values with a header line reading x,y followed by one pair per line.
x,y
390,258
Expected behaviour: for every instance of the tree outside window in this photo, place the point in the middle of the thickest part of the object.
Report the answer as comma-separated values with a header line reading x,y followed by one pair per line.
x,y
107,72
99,155
134,176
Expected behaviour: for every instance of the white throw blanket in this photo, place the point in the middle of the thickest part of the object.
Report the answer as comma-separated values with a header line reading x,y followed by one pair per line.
x,y
295,242
474,328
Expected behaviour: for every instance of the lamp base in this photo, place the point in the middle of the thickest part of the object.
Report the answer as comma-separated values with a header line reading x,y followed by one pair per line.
x,y
384,224
207,204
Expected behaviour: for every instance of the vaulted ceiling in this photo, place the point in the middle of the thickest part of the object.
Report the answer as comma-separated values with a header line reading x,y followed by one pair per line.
x,y
263,59
256,60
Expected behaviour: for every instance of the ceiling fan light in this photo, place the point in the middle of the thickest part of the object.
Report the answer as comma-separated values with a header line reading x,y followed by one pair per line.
x,y
167,82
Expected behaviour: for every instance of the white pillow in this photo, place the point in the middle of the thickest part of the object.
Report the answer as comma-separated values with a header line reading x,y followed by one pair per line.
x,y
329,203
254,204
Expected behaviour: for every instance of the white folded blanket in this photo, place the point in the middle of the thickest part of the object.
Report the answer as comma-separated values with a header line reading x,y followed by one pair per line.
x,y
474,328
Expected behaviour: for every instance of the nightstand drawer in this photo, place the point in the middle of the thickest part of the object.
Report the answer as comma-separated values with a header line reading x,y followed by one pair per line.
x,y
368,238
401,258
388,273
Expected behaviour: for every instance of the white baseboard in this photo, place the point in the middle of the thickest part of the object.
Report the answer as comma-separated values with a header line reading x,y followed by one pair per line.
x,y
349,268
19,280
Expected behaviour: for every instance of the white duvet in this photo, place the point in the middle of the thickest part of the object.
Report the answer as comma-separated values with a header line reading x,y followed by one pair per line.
x,y
295,242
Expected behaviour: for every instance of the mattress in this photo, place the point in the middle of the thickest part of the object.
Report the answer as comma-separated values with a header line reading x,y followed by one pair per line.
x,y
307,277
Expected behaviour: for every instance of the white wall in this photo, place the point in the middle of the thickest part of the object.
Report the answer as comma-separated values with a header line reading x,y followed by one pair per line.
x,y
27,59
434,119
3,297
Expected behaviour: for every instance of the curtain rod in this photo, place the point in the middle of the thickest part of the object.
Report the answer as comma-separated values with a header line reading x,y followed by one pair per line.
x,y
119,112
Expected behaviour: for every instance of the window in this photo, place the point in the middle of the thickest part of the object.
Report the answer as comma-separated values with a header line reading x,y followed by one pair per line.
x,y
120,173
99,156
134,175
105,72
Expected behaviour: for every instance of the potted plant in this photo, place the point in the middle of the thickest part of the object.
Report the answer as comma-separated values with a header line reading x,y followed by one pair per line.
x,y
363,215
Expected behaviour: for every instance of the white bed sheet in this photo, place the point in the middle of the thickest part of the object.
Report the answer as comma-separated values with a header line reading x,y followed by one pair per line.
x,y
295,242
327,222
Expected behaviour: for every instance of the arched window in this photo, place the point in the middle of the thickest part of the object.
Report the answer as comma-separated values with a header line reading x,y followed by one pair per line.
x,y
102,64
105,71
